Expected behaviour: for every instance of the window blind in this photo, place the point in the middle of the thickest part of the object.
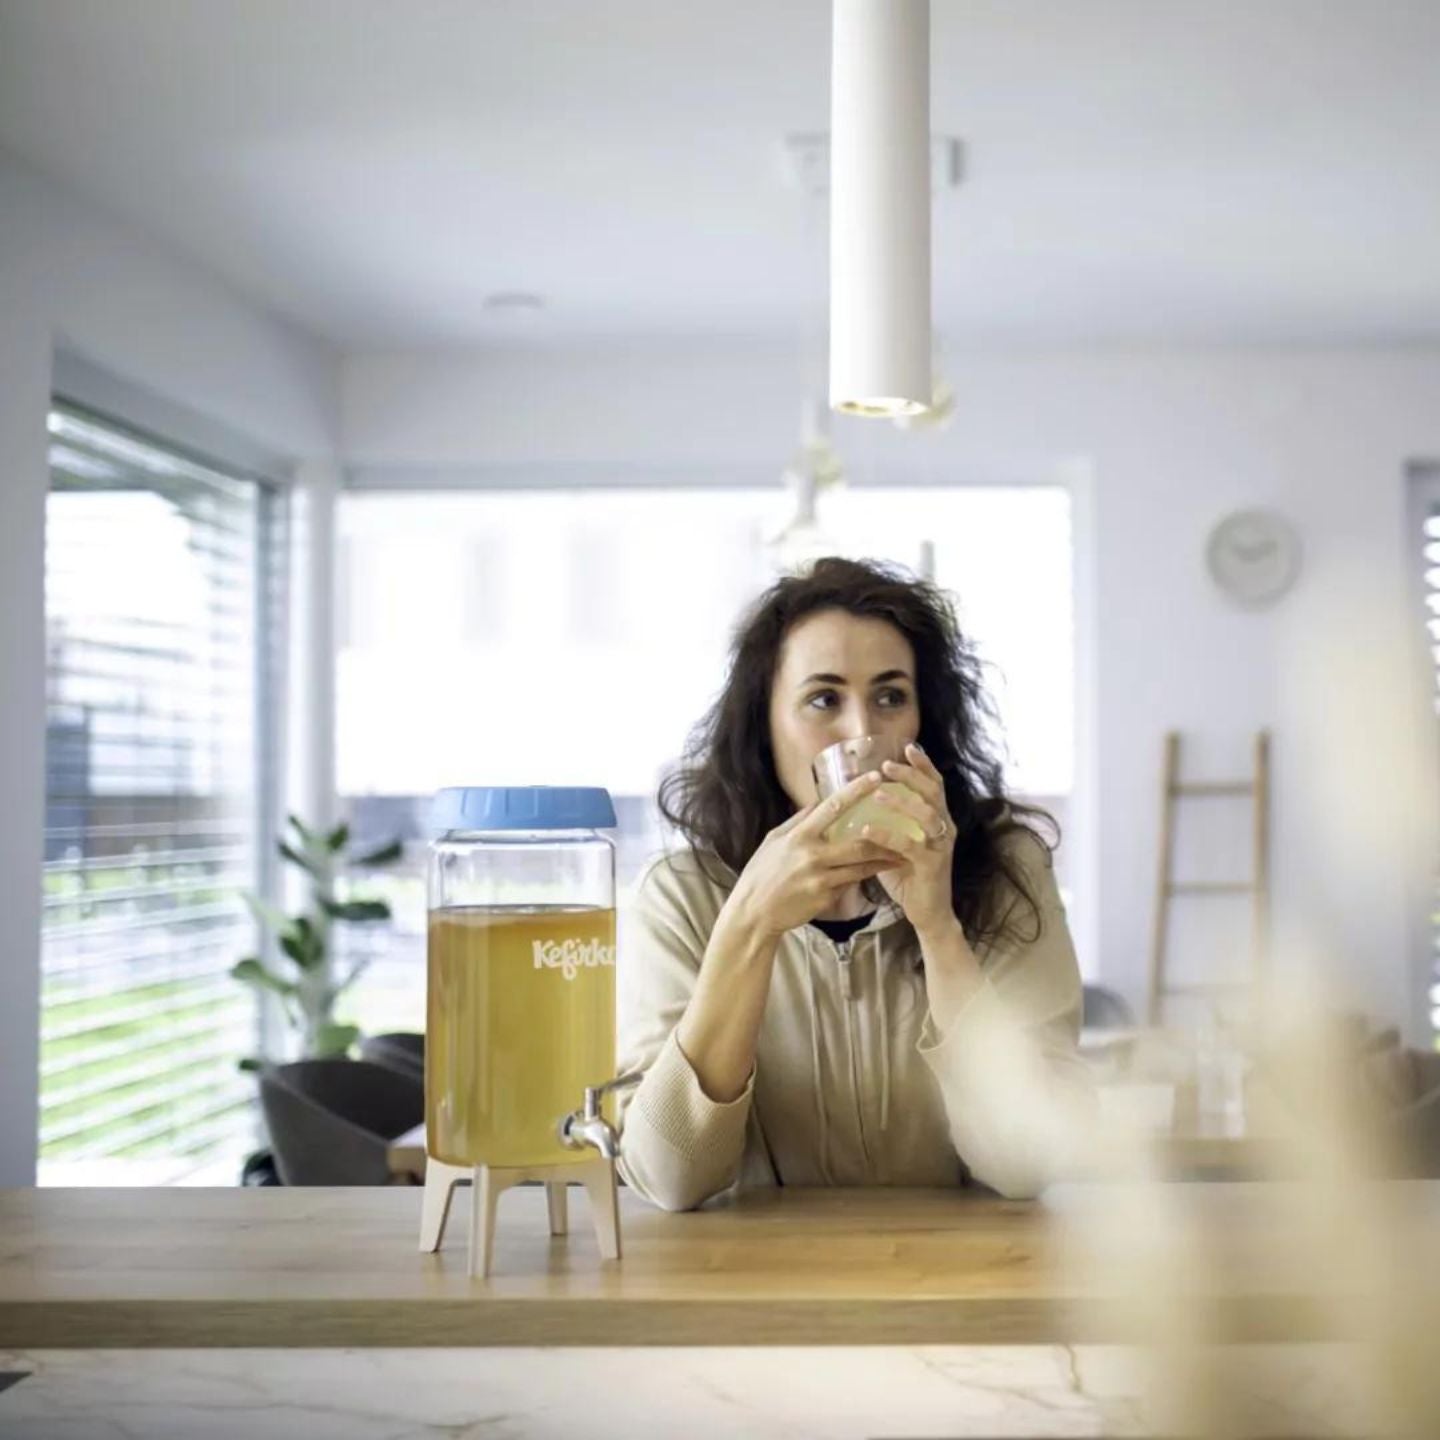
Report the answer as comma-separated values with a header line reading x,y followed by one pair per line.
x,y
163,598
1432,624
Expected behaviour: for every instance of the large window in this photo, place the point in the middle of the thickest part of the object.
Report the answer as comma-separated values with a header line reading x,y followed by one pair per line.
x,y
162,606
574,637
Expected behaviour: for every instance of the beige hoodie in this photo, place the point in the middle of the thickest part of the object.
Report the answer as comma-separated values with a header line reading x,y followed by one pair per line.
x,y
852,1084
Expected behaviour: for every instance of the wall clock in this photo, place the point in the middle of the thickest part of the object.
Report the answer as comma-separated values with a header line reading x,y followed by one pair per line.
x,y
1253,556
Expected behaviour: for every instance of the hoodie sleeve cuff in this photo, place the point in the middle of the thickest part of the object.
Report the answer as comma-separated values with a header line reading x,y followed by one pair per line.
x,y
981,1012
677,1110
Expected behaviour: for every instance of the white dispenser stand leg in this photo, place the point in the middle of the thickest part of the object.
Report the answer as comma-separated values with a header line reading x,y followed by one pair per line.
x,y
489,1182
440,1182
555,1204
484,1192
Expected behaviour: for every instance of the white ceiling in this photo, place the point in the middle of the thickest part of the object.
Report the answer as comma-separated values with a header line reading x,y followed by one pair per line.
x,y
1260,170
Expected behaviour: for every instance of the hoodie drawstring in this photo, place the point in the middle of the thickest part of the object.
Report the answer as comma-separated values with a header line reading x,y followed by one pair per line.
x,y
884,1036
820,1124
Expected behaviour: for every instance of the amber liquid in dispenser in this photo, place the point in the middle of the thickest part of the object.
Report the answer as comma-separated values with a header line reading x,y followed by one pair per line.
x,y
520,1019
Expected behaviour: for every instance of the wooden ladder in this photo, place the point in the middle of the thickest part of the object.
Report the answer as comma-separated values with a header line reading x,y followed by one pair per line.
x,y
1174,790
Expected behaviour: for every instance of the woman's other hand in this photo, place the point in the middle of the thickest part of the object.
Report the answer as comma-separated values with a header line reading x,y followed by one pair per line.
x,y
797,873
920,881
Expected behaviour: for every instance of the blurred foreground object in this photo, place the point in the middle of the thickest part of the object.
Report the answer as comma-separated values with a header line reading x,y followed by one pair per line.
x,y
1330,1234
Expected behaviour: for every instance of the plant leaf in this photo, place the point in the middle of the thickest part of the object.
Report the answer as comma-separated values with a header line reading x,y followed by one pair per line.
x,y
298,950
333,1039
305,862
250,1063
356,911
336,839
312,940
250,971
385,855
307,836
268,915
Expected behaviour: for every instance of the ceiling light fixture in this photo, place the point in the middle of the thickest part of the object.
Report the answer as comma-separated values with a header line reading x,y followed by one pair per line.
x,y
880,208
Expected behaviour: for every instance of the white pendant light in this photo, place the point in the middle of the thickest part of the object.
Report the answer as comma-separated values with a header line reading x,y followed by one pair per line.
x,y
880,208
815,472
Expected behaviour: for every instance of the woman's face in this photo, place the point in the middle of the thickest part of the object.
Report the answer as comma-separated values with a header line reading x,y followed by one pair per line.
x,y
839,676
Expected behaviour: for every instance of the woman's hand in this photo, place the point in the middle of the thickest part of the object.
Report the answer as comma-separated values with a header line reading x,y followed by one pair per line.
x,y
921,884
796,874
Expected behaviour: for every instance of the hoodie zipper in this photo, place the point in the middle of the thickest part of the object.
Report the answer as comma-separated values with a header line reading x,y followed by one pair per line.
x,y
847,989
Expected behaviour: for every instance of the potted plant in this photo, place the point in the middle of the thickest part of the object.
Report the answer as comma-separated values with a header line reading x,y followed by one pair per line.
x,y
310,988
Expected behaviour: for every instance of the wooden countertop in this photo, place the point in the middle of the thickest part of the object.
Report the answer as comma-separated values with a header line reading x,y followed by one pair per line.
x,y
1193,1152
307,1267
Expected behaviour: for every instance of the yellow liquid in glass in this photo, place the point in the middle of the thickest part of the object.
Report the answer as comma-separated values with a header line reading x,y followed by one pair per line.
x,y
520,1019
867,812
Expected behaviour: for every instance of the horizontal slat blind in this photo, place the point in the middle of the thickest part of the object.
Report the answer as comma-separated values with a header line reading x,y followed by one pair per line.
x,y
160,595
1432,623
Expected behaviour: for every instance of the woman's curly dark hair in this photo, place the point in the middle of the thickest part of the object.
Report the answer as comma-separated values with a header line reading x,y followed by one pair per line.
x,y
726,797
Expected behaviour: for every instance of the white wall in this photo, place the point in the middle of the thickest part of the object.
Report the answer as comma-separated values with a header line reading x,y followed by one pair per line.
x,y
1170,441
72,278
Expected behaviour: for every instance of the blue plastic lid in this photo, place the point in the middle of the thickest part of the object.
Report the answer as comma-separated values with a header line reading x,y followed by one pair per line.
x,y
523,807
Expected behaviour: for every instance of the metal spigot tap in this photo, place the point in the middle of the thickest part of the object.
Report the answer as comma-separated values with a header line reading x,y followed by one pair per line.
x,y
587,1126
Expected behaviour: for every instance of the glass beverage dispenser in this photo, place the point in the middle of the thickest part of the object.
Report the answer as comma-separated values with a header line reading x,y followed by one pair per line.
x,y
520,1008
